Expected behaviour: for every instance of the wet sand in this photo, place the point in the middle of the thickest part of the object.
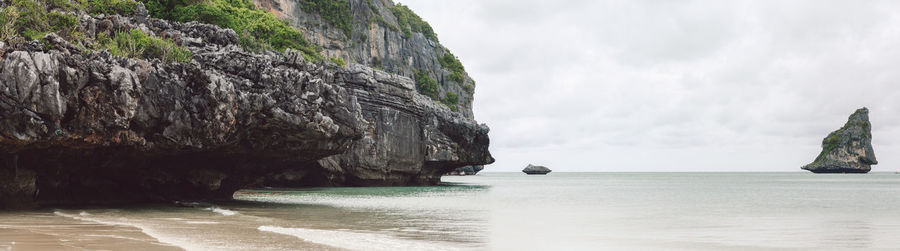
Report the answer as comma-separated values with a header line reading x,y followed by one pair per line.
x,y
148,227
46,231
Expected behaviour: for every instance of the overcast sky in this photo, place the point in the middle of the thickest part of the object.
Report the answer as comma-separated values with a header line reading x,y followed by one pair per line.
x,y
586,85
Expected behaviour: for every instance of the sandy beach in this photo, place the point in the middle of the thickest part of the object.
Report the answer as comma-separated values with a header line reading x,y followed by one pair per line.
x,y
46,231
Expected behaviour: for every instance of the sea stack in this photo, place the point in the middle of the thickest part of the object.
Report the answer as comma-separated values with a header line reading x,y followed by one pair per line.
x,y
532,169
849,149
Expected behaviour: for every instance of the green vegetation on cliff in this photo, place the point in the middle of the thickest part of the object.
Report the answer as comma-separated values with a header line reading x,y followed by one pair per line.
x,y
427,86
337,12
373,11
450,62
137,44
410,22
32,19
469,88
121,7
833,141
451,100
258,30
338,61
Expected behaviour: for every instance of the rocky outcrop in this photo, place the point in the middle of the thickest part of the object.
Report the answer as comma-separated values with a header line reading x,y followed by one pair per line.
x,y
408,140
81,126
849,149
532,169
388,154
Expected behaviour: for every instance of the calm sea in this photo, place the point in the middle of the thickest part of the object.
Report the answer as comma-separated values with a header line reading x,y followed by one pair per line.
x,y
504,211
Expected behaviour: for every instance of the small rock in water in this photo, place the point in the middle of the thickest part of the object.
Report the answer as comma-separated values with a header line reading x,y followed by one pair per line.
x,y
849,149
532,169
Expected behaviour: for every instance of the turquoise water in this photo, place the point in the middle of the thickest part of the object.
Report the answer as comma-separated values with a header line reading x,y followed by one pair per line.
x,y
559,211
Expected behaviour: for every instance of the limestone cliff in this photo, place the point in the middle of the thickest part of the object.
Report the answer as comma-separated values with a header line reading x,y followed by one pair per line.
x,y
81,125
379,34
849,149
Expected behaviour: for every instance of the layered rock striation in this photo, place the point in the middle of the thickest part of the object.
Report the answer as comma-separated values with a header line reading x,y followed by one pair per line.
x,y
370,32
847,150
84,126
408,139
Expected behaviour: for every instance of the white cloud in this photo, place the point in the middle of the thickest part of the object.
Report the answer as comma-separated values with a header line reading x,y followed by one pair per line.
x,y
674,85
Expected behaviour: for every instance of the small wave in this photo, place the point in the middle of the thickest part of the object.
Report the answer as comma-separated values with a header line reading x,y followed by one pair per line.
x,y
222,211
166,240
355,240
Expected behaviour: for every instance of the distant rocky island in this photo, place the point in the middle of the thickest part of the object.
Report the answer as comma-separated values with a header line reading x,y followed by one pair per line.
x,y
533,169
849,149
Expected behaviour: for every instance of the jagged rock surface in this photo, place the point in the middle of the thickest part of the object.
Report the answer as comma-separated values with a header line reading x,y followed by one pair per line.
x,y
83,126
408,140
385,149
849,149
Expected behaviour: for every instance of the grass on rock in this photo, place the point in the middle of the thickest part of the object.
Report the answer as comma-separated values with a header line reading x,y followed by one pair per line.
x,y
137,44
410,22
258,30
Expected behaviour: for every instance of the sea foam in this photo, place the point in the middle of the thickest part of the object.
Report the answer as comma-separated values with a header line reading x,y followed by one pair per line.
x,y
222,211
162,238
356,240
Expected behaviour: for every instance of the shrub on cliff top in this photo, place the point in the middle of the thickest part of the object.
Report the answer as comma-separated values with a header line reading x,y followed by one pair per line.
x,y
410,22
450,62
258,29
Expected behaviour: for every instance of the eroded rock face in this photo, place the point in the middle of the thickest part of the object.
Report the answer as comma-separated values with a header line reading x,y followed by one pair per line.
x,y
849,149
390,151
89,127
408,140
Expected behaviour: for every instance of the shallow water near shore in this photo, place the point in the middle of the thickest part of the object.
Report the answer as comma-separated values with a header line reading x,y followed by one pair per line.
x,y
502,211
